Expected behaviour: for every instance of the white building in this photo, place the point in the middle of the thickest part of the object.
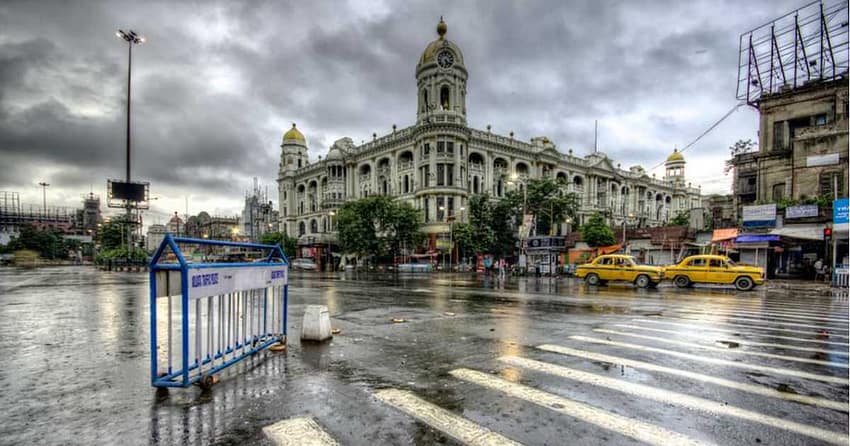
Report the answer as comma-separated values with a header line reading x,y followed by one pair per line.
x,y
438,162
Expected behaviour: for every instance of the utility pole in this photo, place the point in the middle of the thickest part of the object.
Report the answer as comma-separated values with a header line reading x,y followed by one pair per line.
x,y
44,196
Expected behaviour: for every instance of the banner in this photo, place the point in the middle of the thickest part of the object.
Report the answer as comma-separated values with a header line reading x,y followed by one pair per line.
x,y
806,210
760,215
204,282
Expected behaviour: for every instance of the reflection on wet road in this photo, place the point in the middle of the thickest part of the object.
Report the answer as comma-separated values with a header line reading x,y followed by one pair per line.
x,y
476,361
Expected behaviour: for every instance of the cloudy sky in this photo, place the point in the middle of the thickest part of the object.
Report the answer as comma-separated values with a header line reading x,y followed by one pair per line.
x,y
217,84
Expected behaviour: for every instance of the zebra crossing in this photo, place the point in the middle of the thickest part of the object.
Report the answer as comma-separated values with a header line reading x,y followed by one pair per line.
x,y
686,344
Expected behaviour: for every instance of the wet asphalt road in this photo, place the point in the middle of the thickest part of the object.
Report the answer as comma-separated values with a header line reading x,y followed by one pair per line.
x,y
75,349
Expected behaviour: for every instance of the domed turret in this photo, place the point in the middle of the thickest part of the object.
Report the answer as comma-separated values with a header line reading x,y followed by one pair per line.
x,y
675,156
441,79
675,167
334,154
433,48
294,151
293,135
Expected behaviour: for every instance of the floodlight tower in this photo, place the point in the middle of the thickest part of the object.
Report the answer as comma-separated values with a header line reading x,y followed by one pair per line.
x,y
132,39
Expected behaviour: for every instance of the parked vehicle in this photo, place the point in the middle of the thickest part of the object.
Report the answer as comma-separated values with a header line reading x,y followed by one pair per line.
x,y
619,267
714,269
414,268
304,263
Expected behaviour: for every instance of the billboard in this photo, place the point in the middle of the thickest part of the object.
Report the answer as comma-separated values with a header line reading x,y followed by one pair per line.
x,y
808,44
760,216
120,194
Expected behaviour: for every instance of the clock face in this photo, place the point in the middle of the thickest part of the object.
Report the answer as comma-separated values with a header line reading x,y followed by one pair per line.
x,y
445,59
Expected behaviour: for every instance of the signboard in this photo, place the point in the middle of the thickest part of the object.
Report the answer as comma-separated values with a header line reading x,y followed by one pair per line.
x,y
822,160
760,216
806,210
444,245
204,282
839,215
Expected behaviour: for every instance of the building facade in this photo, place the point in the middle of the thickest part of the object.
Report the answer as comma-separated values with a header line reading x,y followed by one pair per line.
x,y
437,163
802,150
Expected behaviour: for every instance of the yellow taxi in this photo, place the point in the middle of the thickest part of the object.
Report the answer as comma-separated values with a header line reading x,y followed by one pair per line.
x,y
714,269
619,267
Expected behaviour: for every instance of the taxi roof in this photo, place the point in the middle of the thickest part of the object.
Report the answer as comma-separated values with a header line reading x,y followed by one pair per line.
x,y
616,255
707,256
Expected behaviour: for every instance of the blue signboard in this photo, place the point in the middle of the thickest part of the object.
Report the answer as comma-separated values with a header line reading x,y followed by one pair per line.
x,y
839,211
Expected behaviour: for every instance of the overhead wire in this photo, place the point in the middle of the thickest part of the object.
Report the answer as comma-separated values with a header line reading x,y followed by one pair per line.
x,y
707,131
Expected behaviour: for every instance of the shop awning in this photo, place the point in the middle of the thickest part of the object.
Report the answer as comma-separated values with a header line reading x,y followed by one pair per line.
x,y
757,238
720,235
802,232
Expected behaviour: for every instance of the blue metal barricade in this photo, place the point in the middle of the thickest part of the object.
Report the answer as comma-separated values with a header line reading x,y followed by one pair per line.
x,y
214,314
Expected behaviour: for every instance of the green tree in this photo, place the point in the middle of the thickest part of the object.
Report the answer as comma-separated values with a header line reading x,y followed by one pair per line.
x,y
547,199
113,233
377,225
683,218
596,232
47,243
287,243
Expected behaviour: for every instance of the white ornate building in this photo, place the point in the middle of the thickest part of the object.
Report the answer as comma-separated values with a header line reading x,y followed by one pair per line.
x,y
438,162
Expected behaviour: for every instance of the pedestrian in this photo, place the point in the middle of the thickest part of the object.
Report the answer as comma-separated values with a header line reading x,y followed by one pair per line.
x,y
502,268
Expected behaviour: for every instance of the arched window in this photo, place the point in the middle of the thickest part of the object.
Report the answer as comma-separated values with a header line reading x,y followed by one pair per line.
x,y
406,185
424,99
444,97
475,185
301,229
314,226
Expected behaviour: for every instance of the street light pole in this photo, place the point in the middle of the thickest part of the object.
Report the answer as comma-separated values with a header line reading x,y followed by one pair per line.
x,y
44,196
131,38
625,219
515,179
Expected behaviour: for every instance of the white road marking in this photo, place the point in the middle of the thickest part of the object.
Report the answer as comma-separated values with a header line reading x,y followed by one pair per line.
x,y
679,399
764,317
744,387
300,431
775,370
763,335
734,339
756,327
442,420
629,427
770,314
784,324
723,350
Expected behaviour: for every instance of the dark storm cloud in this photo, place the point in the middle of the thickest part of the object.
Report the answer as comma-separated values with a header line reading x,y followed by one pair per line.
x,y
217,83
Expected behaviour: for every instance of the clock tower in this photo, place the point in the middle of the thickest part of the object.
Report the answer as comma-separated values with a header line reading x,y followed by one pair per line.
x,y
441,81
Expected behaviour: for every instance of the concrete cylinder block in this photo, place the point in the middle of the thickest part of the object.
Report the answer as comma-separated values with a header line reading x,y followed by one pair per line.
x,y
316,325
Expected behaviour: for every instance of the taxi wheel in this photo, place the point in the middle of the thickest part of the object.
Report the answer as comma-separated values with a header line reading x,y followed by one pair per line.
x,y
642,281
592,279
744,283
682,281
